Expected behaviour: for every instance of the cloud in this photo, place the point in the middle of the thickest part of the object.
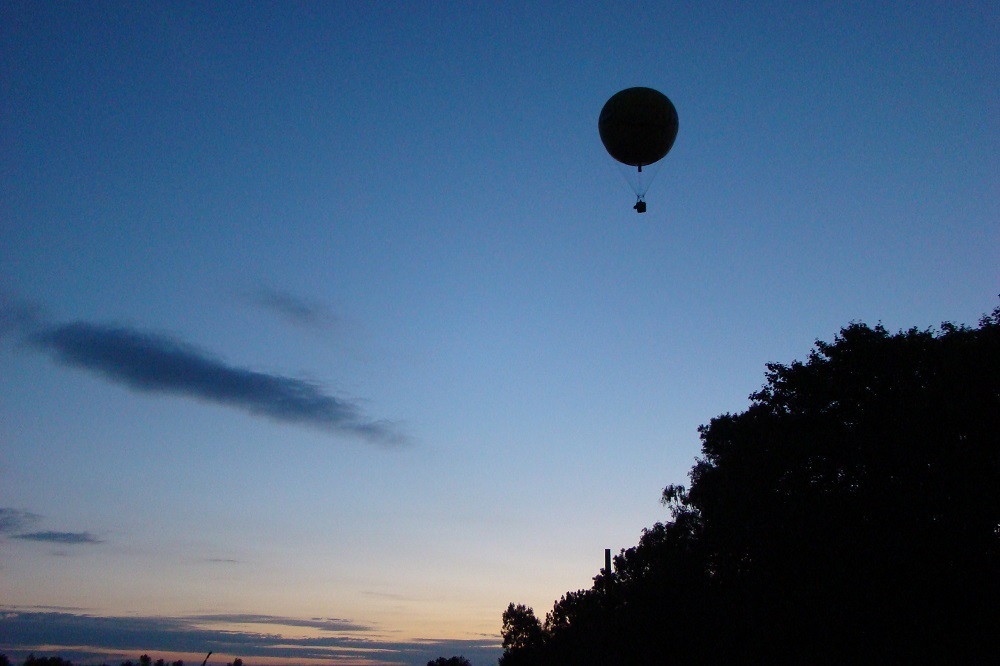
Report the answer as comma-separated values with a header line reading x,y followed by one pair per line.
x,y
83,637
17,315
292,308
14,520
14,524
157,363
326,624
59,537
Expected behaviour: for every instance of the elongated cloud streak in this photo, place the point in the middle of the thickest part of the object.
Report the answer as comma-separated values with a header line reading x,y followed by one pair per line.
x,y
60,537
157,363
14,523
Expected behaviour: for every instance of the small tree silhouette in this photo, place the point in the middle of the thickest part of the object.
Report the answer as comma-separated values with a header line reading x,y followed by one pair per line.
x,y
32,660
450,661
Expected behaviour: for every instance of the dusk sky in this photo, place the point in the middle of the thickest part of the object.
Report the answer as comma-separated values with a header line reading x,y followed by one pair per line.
x,y
327,330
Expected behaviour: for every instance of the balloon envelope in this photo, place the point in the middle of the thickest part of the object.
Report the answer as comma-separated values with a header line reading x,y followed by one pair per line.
x,y
638,126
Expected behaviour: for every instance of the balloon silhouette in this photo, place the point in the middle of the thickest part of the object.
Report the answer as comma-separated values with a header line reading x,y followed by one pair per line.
x,y
638,127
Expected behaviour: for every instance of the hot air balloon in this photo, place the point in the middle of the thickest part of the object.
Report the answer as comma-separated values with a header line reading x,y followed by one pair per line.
x,y
638,127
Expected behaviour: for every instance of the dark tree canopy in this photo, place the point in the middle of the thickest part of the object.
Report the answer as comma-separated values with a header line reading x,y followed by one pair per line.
x,y
450,661
851,513
32,660
521,633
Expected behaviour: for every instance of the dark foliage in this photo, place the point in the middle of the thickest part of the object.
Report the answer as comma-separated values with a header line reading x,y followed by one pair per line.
x,y
521,633
851,513
146,660
32,660
450,661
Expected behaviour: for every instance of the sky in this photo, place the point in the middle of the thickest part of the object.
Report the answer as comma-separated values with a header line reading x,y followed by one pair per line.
x,y
327,330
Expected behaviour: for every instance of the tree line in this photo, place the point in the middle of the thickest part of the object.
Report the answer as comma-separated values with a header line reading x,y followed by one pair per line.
x,y
144,660
851,513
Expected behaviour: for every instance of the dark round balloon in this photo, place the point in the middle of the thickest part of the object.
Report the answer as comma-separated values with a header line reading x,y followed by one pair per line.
x,y
638,126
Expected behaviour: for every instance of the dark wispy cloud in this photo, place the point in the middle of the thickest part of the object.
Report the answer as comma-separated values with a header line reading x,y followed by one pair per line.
x,y
326,624
15,524
13,521
17,314
158,363
59,537
293,309
342,640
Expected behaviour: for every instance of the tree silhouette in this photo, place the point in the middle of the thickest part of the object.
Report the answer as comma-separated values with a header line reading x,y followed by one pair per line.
x,y
851,513
32,660
521,632
450,661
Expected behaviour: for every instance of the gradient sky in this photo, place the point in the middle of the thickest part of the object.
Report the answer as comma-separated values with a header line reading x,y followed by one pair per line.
x,y
334,320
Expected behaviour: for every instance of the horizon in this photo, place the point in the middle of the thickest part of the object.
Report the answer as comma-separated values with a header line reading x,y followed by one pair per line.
x,y
302,641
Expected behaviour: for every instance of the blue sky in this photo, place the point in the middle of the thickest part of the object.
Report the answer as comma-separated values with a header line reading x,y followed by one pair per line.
x,y
334,320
